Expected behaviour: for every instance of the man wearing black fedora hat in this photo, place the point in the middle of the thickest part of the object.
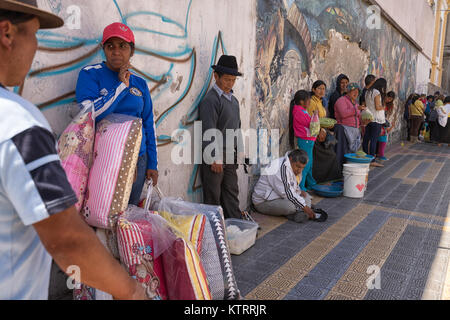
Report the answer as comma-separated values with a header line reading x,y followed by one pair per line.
x,y
219,111
38,219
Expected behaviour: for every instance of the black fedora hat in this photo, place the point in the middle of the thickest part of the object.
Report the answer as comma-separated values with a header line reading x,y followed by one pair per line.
x,y
46,19
227,65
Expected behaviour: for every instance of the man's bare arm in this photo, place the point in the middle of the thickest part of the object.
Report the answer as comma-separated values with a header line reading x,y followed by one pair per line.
x,y
70,241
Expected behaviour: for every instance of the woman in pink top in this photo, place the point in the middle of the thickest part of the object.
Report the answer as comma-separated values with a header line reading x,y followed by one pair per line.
x,y
347,112
299,132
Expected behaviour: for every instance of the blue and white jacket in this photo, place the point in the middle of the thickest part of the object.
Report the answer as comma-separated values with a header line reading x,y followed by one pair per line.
x,y
101,85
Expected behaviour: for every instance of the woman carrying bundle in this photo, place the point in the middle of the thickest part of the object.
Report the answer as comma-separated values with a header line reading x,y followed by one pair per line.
x,y
112,88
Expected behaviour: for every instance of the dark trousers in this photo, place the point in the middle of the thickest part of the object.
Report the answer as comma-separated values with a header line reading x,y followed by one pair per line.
x,y
221,189
138,185
416,123
341,147
434,131
444,133
371,136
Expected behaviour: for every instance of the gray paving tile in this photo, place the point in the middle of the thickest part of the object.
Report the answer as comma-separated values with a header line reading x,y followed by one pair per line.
x,y
408,251
327,270
418,283
401,259
415,196
262,268
429,248
245,287
383,191
318,281
306,292
397,267
420,170
277,258
286,250
398,194
420,273
292,243
397,277
413,293
380,295
433,242
392,287
289,226
250,277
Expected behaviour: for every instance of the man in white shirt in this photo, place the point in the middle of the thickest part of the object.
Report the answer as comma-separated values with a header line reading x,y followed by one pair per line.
x,y
38,220
277,192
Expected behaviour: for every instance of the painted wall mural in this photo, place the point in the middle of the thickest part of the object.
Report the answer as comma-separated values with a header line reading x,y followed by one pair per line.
x,y
299,42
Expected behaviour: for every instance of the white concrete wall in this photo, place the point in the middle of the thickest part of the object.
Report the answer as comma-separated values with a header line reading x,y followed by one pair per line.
x,y
422,74
171,30
416,17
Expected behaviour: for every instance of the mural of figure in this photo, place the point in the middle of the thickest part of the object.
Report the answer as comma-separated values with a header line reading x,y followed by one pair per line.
x,y
299,42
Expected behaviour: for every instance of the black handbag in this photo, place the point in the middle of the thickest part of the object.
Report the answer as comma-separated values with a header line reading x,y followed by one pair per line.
x,y
321,215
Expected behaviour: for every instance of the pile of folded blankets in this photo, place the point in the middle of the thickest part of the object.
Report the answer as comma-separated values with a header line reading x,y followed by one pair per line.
x,y
177,251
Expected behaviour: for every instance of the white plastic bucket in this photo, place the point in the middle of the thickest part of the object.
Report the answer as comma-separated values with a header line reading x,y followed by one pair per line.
x,y
355,179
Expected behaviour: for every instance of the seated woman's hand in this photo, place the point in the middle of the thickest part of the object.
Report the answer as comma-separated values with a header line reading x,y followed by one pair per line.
x,y
310,213
322,135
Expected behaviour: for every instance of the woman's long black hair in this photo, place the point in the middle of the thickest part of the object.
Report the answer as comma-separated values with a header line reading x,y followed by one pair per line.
x,y
381,86
299,97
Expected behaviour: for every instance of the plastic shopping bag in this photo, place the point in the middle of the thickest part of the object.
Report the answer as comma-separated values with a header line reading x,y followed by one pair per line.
x,y
142,239
314,126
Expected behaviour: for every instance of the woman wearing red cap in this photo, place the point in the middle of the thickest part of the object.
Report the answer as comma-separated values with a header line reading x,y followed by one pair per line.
x,y
112,88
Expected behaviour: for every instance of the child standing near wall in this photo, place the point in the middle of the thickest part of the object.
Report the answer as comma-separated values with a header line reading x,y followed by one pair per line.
x,y
300,134
383,140
387,127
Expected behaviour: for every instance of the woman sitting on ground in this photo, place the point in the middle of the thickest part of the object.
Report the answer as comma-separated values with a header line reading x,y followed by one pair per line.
x,y
346,130
325,167
319,89
277,193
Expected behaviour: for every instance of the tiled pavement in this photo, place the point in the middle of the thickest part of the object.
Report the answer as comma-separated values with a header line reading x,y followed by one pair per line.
x,y
392,244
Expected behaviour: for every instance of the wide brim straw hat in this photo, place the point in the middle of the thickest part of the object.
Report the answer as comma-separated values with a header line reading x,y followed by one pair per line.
x,y
47,20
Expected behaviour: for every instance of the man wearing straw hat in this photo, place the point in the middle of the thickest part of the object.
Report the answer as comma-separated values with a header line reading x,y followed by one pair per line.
x,y
38,220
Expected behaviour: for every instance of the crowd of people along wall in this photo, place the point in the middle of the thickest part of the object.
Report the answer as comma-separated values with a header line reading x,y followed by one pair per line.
x,y
299,42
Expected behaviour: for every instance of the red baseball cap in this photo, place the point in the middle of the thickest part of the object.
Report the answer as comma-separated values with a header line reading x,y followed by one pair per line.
x,y
118,30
